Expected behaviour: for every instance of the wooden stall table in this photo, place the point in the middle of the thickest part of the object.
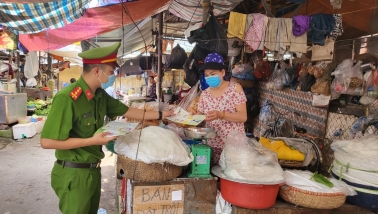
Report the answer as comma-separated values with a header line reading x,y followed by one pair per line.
x,y
282,207
37,93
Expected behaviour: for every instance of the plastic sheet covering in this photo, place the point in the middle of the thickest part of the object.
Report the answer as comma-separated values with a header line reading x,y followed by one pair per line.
x,y
246,159
302,180
359,153
343,171
157,145
31,65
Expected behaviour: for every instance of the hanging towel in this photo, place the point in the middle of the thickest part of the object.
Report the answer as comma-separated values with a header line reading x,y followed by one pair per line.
x,y
264,29
254,34
236,25
271,34
299,43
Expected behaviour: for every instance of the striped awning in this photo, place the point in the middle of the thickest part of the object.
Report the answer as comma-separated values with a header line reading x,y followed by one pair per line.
x,y
34,18
191,10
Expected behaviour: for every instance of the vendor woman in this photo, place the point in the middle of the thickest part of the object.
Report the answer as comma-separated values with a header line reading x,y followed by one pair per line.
x,y
223,103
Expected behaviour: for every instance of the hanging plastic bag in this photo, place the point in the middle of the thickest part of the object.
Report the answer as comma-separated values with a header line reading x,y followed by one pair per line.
x,y
193,65
289,75
275,81
241,69
178,57
211,37
372,84
348,79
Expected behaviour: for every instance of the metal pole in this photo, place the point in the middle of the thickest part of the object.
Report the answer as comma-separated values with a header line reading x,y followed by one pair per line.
x,y
205,13
160,55
18,73
49,65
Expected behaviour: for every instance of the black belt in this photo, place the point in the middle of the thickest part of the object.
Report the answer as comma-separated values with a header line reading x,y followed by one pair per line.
x,y
78,165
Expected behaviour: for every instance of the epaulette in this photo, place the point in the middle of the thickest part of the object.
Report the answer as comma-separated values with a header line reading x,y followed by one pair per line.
x,y
76,92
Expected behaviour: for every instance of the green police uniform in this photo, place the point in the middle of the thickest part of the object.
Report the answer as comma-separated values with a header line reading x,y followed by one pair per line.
x,y
78,113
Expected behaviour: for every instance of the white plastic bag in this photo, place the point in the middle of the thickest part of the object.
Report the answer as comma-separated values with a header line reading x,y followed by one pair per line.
x,y
359,153
157,145
246,159
275,80
302,180
222,206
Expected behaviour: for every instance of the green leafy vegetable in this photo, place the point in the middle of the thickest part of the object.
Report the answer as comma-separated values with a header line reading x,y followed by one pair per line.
x,y
321,179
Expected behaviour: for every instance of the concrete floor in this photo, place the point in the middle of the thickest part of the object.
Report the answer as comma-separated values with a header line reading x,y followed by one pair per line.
x,y
25,179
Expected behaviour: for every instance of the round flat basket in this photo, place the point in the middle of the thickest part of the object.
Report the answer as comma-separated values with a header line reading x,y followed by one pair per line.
x,y
291,164
309,199
147,172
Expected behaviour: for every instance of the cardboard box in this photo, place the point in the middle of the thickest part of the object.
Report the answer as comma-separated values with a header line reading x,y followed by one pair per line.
x,y
24,130
179,196
159,199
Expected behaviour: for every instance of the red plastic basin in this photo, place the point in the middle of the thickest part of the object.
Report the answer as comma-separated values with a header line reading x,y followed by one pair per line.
x,y
251,196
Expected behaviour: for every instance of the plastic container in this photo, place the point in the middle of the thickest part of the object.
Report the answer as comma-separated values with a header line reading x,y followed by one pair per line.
x,y
23,120
250,196
24,130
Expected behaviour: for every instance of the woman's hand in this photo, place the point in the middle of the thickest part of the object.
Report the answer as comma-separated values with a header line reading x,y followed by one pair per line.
x,y
213,115
167,114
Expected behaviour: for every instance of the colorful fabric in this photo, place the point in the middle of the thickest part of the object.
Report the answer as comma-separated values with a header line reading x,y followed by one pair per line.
x,y
236,25
34,18
95,21
191,10
226,103
338,30
301,24
254,34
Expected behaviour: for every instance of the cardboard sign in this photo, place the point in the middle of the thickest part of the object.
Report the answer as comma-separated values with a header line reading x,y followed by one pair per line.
x,y
164,199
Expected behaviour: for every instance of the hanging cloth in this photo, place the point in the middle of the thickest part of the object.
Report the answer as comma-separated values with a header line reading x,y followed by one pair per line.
x,y
299,43
271,34
254,34
236,25
31,65
338,30
264,29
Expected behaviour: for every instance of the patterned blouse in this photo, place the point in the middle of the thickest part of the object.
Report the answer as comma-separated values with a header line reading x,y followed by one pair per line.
x,y
227,103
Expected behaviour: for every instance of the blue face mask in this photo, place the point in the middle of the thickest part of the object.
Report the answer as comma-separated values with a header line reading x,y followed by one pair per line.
x,y
110,81
213,81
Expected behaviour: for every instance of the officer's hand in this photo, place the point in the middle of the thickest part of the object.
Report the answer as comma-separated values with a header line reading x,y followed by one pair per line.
x,y
167,114
102,138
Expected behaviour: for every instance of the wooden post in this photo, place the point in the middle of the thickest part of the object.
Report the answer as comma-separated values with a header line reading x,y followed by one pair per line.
x,y
18,73
160,55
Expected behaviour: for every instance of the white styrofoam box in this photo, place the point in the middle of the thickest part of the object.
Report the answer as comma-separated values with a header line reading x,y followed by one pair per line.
x,y
27,129
40,125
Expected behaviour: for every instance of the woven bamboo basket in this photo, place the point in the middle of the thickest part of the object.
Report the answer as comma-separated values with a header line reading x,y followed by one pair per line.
x,y
243,83
311,199
147,172
288,163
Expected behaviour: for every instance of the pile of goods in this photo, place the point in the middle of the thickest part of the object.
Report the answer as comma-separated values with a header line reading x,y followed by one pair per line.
x,y
51,84
290,149
313,190
152,154
356,163
40,107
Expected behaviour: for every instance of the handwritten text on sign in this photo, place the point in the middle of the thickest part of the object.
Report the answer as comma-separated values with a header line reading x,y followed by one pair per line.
x,y
164,199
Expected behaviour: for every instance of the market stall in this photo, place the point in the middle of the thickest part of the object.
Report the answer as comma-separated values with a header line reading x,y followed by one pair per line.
x,y
308,96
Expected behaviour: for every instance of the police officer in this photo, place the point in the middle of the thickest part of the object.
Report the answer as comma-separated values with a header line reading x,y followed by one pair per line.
x,y
77,111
